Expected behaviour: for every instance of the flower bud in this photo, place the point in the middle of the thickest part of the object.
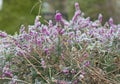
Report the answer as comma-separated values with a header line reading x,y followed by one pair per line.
x,y
58,17
100,17
77,6
3,34
50,23
110,21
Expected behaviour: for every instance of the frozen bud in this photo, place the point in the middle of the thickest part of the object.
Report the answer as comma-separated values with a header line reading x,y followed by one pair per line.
x,y
22,29
100,17
75,81
46,50
82,14
3,34
81,76
61,31
45,30
86,55
8,73
37,24
95,24
73,71
37,19
110,21
88,19
58,17
14,81
43,64
87,63
50,23
77,6
65,71
77,13
39,41
111,31
74,49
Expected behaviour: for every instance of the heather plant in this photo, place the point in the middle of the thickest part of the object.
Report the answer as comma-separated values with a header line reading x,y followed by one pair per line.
x,y
79,51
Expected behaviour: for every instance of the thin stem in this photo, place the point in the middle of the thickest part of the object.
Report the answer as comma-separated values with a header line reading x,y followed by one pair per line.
x,y
16,80
40,6
35,59
34,7
39,73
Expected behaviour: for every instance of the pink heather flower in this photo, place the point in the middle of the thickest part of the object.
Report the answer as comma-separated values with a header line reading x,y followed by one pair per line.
x,y
58,17
100,17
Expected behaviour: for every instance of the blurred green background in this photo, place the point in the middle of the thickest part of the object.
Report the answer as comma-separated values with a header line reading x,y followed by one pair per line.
x,y
17,12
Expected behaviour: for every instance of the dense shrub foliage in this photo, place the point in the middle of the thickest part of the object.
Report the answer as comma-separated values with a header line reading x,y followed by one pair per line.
x,y
79,51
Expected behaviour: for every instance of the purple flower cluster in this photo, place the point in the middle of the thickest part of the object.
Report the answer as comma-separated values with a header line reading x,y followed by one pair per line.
x,y
75,31
72,41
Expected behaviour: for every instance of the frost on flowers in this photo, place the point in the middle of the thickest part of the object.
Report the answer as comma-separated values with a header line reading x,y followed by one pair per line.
x,y
67,52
